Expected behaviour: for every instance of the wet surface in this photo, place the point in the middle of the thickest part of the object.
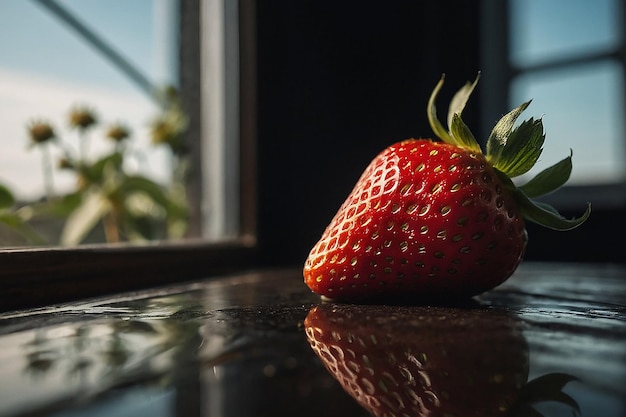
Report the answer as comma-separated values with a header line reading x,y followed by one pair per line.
x,y
260,344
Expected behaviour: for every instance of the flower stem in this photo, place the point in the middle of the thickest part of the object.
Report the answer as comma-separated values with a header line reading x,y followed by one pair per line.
x,y
47,172
111,228
83,146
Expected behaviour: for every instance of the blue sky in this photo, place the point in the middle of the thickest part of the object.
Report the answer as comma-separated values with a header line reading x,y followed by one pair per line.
x,y
35,41
46,69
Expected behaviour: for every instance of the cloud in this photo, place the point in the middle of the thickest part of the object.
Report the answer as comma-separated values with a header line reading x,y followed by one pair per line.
x,y
25,97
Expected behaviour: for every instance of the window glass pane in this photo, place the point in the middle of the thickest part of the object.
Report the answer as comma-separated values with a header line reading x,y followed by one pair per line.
x,y
582,109
48,68
543,30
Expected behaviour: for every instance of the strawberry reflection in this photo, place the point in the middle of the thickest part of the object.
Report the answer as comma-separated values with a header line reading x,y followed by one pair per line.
x,y
430,361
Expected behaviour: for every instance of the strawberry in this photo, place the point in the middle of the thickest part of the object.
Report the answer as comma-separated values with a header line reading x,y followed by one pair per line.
x,y
439,218
430,361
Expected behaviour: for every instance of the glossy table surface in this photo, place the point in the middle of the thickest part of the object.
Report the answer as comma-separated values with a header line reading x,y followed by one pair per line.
x,y
550,341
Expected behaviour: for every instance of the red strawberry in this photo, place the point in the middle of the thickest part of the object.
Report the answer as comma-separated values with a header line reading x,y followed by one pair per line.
x,y
427,361
439,219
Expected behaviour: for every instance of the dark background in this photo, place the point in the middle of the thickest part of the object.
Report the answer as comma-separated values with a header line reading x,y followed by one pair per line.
x,y
339,81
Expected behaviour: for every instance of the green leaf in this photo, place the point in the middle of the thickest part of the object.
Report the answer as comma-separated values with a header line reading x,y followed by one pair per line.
x,y
465,138
549,179
60,206
501,131
138,183
522,149
96,172
458,102
15,222
462,134
546,215
6,197
155,191
140,227
433,120
84,218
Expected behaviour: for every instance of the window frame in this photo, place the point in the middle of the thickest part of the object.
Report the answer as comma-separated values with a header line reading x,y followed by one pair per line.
x,y
36,276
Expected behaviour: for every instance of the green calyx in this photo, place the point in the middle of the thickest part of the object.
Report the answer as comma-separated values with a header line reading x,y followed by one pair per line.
x,y
512,150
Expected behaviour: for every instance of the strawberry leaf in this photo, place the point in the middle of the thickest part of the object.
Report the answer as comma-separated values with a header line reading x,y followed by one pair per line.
x,y
433,120
522,149
515,151
460,134
546,215
501,131
549,179
458,102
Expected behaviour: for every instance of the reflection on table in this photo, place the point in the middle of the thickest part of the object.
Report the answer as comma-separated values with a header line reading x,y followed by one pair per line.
x,y
259,344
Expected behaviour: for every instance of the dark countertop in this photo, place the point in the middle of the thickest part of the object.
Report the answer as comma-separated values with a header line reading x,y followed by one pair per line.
x,y
260,344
